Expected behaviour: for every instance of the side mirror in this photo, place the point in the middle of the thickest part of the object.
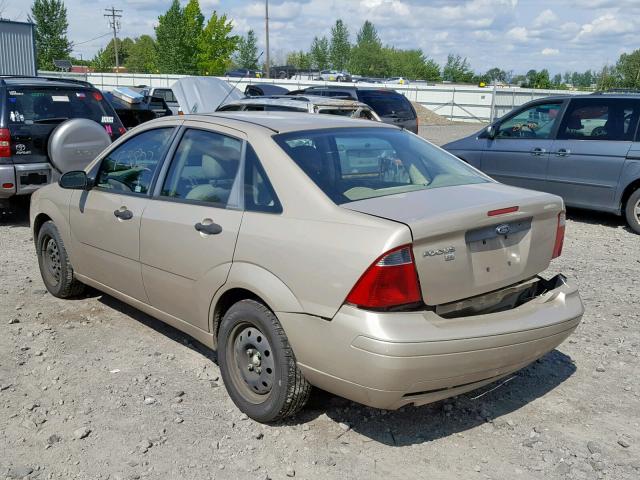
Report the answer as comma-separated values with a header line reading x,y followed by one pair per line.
x,y
74,180
492,131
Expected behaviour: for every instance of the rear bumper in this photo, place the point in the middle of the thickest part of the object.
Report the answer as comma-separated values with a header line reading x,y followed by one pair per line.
x,y
24,178
387,360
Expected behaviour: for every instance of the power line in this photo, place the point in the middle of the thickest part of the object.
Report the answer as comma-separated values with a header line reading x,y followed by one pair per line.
x,y
75,44
114,16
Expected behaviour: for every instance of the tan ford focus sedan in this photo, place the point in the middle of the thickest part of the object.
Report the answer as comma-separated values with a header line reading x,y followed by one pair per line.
x,y
314,250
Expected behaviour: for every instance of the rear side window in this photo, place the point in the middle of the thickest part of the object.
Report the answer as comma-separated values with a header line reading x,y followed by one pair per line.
x,y
259,195
166,94
204,169
350,164
130,167
601,119
41,105
387,103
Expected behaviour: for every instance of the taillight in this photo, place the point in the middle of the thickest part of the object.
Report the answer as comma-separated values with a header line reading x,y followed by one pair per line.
x,y
390,281
5,143
557,248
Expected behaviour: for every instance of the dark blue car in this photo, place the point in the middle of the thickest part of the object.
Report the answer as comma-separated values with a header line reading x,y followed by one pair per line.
x,y
584,148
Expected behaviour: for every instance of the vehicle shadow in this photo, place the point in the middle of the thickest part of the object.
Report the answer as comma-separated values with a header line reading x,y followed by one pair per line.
x,y
593,217
17,215
413,425
409,425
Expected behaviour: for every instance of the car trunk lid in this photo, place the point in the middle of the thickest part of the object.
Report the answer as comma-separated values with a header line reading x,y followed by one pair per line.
x,y
460,249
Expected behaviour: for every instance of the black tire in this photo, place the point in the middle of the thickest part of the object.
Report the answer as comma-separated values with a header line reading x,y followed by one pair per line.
x,y
55,268
632,211
283,390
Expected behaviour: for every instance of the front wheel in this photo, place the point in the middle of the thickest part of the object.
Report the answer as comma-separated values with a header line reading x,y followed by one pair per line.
x,y
257,364
55,268
632,211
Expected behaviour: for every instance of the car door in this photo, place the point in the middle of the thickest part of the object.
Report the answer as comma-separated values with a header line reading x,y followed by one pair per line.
x,y
589,153
105,221
190,227
519,153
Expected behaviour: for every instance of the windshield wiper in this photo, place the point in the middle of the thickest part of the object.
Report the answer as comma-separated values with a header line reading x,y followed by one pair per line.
x,y
51,120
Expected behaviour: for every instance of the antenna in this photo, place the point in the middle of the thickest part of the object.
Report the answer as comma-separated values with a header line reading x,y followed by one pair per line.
x,y
239,80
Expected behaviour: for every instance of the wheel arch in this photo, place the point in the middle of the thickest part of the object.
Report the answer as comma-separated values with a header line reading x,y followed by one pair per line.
x,y
628,191
249,281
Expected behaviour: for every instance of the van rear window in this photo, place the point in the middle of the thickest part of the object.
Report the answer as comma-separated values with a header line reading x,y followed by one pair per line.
x,y
386,103
33,105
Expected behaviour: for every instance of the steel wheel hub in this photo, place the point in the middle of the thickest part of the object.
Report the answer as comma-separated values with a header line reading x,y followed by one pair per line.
x,y
52,259
254,360
637,209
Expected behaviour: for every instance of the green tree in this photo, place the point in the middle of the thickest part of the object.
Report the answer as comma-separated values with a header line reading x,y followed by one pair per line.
x,y
366,56
496,74
411,64
193,25
102,61
169,34
607,78
457,69
320,53
142,56
216,45
301,60
627,70
247,55
339,46
50,18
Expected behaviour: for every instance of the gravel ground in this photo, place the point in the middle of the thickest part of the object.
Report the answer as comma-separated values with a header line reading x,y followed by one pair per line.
x,y
93,389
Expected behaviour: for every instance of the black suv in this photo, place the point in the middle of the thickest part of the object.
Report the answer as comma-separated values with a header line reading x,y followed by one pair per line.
x,y
31,108
391,106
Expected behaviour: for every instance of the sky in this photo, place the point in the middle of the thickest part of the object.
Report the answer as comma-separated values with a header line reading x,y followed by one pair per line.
x,y
515,35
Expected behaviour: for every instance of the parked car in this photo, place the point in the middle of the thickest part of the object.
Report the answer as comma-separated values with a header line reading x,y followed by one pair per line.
x,y
391,106
314,250
165,94
34,116
584,148
134,111
305,104
398,80
203,94
334,76
264,89
244,73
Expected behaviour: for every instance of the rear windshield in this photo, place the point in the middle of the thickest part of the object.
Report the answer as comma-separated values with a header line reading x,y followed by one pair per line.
x,y
32,105
351,164
387,104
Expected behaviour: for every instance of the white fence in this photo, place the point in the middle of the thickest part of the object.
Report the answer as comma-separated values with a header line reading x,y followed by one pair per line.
x,y
455,102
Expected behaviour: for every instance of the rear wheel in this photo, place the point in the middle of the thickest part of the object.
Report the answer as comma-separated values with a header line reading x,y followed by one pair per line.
x,y
257,364
55,268
632,211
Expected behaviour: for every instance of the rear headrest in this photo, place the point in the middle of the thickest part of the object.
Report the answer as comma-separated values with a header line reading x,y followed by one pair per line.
x,y
212,168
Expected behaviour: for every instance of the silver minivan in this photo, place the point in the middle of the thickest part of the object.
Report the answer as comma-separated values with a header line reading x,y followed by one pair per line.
x,y
584,148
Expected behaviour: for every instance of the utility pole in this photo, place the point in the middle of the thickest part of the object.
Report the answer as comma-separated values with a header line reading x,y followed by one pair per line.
x,y
266,27
114,22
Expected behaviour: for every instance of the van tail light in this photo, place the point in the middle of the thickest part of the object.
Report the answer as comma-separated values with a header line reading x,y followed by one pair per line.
x,y
557,248
391,281
5,143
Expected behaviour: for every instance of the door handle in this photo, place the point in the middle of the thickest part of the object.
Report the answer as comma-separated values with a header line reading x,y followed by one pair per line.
x,y
538,151
208,228
563,152
123,214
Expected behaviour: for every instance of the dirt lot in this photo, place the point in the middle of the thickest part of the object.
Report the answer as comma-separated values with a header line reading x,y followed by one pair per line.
x,y
92,389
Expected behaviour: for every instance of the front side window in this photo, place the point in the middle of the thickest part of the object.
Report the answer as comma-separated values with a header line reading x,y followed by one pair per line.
x,y
351,164
131,167
533,122
204,169
606,119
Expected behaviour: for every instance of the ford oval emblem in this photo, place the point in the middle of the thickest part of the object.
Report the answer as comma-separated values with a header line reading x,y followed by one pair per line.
x,y
503,229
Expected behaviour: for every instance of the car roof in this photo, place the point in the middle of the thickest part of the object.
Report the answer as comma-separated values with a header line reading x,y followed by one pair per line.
x,y
298,101
350,88
43,81
281,122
